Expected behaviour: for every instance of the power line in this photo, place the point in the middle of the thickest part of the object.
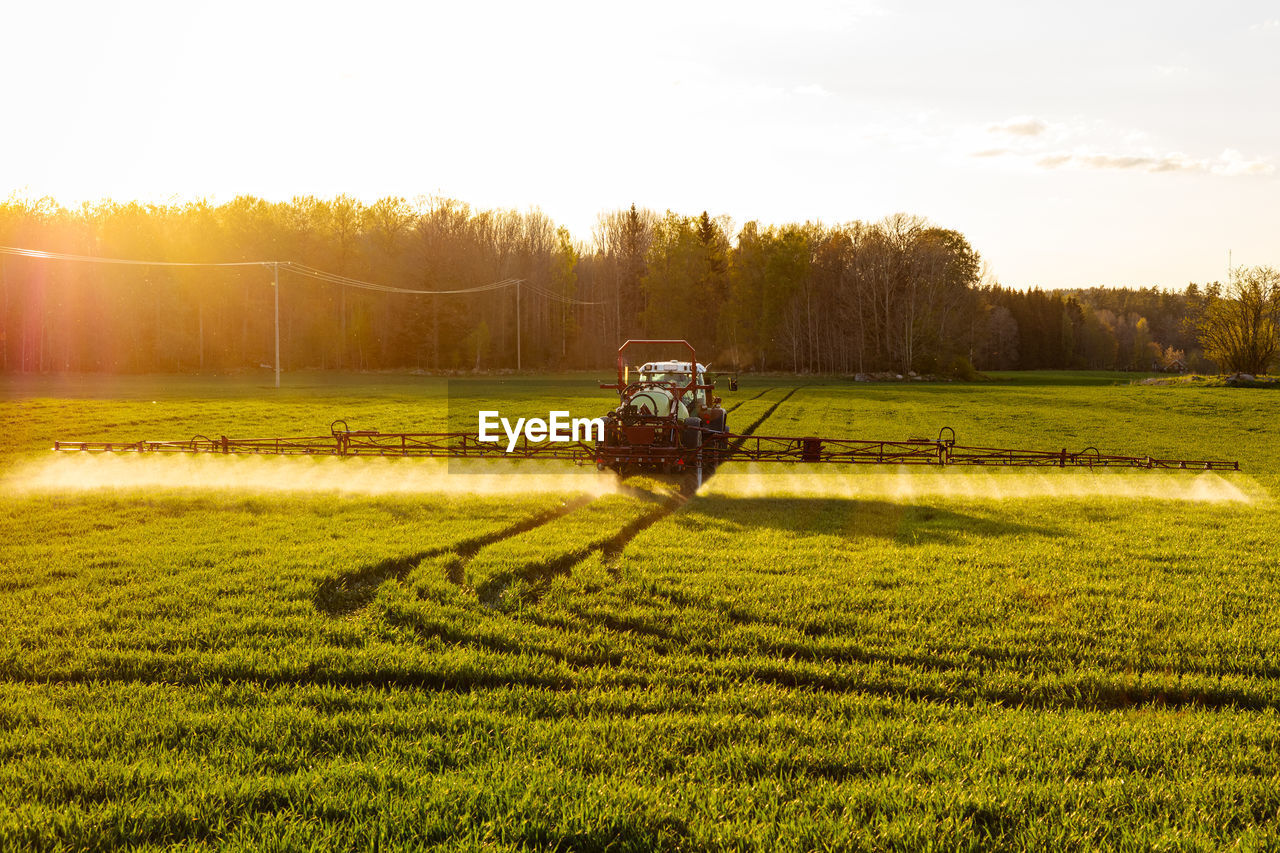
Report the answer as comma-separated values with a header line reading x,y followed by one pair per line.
x,y
300,269
334,278
558,297
303,270
60,256
318,275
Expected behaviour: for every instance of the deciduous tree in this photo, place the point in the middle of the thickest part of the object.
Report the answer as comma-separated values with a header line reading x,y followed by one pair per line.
x,y
1240,326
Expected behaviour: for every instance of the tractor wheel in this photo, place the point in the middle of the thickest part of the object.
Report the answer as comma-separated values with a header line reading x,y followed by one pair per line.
x,y
717,444
691,435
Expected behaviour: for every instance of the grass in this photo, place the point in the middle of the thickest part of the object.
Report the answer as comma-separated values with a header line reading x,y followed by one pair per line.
x,y
832,667
1051,378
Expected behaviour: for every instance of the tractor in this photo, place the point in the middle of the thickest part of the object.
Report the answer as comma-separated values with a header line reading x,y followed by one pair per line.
x,y
668,419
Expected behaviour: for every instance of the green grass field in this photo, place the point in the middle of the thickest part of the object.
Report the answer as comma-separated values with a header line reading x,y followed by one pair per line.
x,y
400,654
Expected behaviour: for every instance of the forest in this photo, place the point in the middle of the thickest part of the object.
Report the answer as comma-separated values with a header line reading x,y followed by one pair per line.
x,y
362,286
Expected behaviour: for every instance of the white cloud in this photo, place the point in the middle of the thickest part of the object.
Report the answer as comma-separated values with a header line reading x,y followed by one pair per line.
x,y
1229,163
1232,162
1053,161
1085,144
1271,24
1020,126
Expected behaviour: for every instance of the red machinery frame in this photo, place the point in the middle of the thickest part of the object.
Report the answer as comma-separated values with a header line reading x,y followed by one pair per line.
x,y
742,448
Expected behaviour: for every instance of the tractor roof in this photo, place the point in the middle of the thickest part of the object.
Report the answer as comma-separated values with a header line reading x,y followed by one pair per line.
x,y
669,367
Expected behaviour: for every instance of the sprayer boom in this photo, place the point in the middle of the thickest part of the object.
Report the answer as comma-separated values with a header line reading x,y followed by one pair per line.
x,y
727,447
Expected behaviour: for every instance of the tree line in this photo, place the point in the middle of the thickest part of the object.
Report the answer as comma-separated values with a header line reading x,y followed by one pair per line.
x,y
896,295
1232,326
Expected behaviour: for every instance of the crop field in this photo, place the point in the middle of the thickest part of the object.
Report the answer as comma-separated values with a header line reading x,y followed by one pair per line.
x,y
305,653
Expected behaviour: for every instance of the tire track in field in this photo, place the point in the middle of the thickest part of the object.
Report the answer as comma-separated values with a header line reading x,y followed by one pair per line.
x,y
749,399
742,436
350,591
565,564
611,551
1110,691
354,590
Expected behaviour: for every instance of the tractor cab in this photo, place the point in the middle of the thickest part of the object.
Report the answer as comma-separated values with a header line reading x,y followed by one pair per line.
x,y
677,375
675,371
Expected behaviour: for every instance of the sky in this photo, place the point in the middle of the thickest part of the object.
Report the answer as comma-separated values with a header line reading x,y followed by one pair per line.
x,y
1116,144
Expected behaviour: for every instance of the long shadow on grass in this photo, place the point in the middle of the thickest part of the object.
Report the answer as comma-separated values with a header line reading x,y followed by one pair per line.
x,y
803,517
848,518
538,575
1102,693
1109,692
350,591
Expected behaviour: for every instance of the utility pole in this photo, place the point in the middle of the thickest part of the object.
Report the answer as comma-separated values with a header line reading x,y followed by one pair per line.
x,y
518,325
275,265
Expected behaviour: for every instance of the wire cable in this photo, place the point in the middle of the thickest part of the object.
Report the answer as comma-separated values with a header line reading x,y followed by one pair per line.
x,y
61,256
558,297
300,269
334,278
303,270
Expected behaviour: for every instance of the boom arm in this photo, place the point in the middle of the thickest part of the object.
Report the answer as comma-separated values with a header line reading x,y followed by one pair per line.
x,y
942,451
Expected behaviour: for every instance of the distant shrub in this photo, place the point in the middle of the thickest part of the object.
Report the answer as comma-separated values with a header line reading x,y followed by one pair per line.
x,y
962,368
925,364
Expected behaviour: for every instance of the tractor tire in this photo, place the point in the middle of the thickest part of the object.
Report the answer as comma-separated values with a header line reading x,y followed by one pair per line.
x,y
715,445
691,435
